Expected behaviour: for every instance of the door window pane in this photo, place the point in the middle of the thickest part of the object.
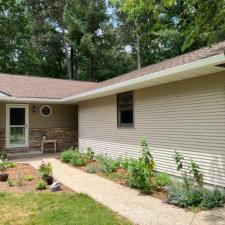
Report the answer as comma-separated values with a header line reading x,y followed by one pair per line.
x,y
17,135
17,116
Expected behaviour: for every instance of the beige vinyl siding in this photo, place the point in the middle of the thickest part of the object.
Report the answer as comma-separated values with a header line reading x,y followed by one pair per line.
x,y
187,116
63,116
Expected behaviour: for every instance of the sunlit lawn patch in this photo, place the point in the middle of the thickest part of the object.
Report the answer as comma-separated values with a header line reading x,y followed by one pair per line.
x,y
55,208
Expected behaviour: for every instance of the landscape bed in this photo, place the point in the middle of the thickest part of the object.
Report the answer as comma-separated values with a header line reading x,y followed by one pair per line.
x,y
24,178
188,193
26,198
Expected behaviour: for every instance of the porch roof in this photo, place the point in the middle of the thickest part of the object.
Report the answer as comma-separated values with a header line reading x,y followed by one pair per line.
x,y
19,86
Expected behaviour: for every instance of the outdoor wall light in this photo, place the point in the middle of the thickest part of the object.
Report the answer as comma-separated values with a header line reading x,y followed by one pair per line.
x,y
34,108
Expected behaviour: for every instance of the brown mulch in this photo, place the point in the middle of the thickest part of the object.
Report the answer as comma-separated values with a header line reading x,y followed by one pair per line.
x,y
160,193
23,170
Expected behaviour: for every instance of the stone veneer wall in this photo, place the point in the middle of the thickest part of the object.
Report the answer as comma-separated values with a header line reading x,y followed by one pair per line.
x,y
66,137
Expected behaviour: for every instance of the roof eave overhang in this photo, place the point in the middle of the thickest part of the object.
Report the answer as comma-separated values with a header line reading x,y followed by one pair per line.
x,y
185,71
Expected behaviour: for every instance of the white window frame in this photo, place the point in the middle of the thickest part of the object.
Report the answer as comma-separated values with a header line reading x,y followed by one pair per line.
x,y
50,108
8,107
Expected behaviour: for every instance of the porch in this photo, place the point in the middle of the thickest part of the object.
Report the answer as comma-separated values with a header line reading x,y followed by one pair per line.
x,y
23,127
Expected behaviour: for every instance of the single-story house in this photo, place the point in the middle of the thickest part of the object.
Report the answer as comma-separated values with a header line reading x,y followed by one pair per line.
x,y
178,104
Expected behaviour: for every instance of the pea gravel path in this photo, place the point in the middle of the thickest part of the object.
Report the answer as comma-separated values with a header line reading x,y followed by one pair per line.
x,y
140,209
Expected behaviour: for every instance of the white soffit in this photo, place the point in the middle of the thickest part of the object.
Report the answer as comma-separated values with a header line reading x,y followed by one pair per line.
x,y
3,94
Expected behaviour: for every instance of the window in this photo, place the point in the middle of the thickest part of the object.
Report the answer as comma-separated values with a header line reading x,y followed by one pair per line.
x,y
125,109
46,110
17,126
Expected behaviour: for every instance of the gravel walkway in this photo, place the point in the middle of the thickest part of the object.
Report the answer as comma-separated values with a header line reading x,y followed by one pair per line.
x,y
143,210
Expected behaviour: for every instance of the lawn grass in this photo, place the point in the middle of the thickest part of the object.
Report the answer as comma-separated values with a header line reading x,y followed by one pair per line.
x,y
55,208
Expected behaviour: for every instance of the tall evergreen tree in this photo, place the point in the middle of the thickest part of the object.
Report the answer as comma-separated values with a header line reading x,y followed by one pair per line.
x,y
94,40
15,55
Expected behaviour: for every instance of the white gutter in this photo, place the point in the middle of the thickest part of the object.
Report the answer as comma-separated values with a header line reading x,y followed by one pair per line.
x,y
164,74
27,100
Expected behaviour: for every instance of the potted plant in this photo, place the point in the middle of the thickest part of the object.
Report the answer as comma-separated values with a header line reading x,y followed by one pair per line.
x,y
3,167
45,171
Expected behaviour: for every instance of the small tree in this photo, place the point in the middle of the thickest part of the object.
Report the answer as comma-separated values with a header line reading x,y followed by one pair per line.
x,y
140,171
146,155
197,175
193,174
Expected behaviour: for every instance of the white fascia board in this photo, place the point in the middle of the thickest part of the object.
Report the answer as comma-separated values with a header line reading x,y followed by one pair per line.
x,y
163,75
28,100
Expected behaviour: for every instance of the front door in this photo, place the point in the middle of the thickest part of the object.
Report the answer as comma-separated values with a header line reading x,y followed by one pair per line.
x,y
17,125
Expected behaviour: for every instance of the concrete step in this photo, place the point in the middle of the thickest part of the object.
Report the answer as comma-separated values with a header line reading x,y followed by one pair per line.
x,y
23,155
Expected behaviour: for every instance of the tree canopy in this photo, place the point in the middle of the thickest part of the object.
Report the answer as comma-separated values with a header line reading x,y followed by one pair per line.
x,y
100,39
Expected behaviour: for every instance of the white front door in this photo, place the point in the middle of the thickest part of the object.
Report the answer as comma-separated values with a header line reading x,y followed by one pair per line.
x,y
17,117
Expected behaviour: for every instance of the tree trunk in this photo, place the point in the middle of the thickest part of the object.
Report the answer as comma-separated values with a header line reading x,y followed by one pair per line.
x,y
138,45
93,77
68,62
72,62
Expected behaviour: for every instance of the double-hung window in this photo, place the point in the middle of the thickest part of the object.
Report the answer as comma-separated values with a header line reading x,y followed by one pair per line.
x,y
125,115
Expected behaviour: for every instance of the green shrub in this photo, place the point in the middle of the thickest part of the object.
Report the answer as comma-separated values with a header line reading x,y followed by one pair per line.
x,y
41,185
28,178
3,155
45,169
146,155
11,164
163,179
89,154
11,182
178,159
124,163
139,175
191,177
67,155
212,199
185,198
78,159
74,157
92,168
194,171
107,164
3,166
195,197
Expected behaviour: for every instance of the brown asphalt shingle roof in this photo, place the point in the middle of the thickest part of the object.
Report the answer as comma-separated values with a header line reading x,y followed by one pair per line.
x,y
166,64
38,87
